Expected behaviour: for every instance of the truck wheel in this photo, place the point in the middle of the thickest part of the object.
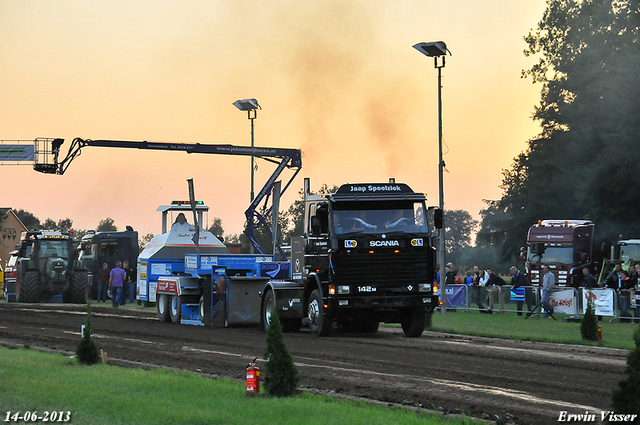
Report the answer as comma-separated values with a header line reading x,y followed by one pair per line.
x,y
78,289
268,304
175,308
202,310
319,323
163,304
413,322
29,287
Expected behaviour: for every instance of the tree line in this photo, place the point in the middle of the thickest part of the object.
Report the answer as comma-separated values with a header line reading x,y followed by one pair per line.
x,y
584,163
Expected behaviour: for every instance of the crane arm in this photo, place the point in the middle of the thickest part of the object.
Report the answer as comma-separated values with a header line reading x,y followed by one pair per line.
x,y
59,167
285,158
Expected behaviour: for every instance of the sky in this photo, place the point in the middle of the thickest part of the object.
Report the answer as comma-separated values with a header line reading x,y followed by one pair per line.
x,y
337,79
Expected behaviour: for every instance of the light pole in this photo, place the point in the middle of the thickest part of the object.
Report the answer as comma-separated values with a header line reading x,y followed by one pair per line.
x,y
251,106
438,49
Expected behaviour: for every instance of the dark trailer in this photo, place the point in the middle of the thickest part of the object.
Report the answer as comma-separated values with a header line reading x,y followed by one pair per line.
x,y
107,247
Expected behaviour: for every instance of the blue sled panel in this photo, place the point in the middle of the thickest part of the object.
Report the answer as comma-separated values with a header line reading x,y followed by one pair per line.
x,y
191,315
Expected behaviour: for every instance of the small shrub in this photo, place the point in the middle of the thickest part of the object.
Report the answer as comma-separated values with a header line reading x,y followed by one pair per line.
x,y
281,375
88,351
589,323
626,398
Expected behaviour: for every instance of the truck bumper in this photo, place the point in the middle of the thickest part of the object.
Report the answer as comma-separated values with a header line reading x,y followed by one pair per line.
x,y
429,301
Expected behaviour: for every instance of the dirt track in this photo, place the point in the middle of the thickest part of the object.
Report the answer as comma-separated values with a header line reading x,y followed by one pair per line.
x,y
506,381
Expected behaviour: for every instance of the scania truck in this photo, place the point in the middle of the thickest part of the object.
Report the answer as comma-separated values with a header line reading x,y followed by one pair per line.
x,y
366,256
565,245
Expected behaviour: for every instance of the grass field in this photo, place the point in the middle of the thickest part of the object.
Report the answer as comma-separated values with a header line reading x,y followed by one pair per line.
x,y
103,394
109,395
510,326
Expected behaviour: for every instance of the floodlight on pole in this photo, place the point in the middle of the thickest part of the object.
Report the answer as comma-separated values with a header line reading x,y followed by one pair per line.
x,y
251,106
438,49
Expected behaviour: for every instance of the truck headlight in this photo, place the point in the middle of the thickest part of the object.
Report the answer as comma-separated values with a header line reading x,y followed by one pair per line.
x,y
344,289
424,287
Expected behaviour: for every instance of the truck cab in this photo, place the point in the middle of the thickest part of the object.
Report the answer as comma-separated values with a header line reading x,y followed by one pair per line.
x,y
566,246
368,257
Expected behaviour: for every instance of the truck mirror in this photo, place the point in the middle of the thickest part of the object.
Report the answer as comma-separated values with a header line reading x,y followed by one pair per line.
x,y
538,248
323,218
438,219
315,226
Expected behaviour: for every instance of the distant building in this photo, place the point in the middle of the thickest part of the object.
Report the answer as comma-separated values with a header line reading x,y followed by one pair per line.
x,y
10,229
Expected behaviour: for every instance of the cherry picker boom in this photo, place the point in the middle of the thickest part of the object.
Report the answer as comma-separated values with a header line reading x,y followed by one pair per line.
x,y
48,161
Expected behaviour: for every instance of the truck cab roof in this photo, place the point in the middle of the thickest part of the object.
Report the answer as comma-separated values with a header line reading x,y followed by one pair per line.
x,y
375,192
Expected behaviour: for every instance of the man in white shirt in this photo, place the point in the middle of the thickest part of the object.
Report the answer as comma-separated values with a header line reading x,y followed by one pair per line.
x,y
548,283
181,224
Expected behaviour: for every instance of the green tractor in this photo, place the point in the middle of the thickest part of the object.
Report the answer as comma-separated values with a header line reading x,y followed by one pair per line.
x,y
624,251
46,268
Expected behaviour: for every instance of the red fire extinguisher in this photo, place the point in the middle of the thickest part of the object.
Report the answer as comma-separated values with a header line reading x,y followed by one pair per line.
x,y
253,377
599,333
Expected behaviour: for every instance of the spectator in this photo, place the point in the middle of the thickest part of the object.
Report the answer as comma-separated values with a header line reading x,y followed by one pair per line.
x,y
450,275
131,281
635,295
476,288
103,283
626,285
519,280
116,279
589,279
493,286
613,278
549,281
181,224
633,274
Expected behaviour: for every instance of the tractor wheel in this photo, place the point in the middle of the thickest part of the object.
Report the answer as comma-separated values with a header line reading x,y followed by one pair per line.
x,y
175,308
163,304
413,322
78,289
319,323
30,287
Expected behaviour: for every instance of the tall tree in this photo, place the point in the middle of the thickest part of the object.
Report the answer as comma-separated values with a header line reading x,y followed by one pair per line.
x,y
582,163
3,215
49,224
459,226
63,224
28,219
107,225
216,228
293,223
143,240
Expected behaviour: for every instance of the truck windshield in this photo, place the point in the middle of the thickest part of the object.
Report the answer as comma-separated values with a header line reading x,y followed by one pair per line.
x,y
552,255
54,248
358,217
629,252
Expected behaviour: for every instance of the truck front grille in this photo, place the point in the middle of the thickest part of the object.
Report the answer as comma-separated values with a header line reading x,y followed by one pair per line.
x,y
381,269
